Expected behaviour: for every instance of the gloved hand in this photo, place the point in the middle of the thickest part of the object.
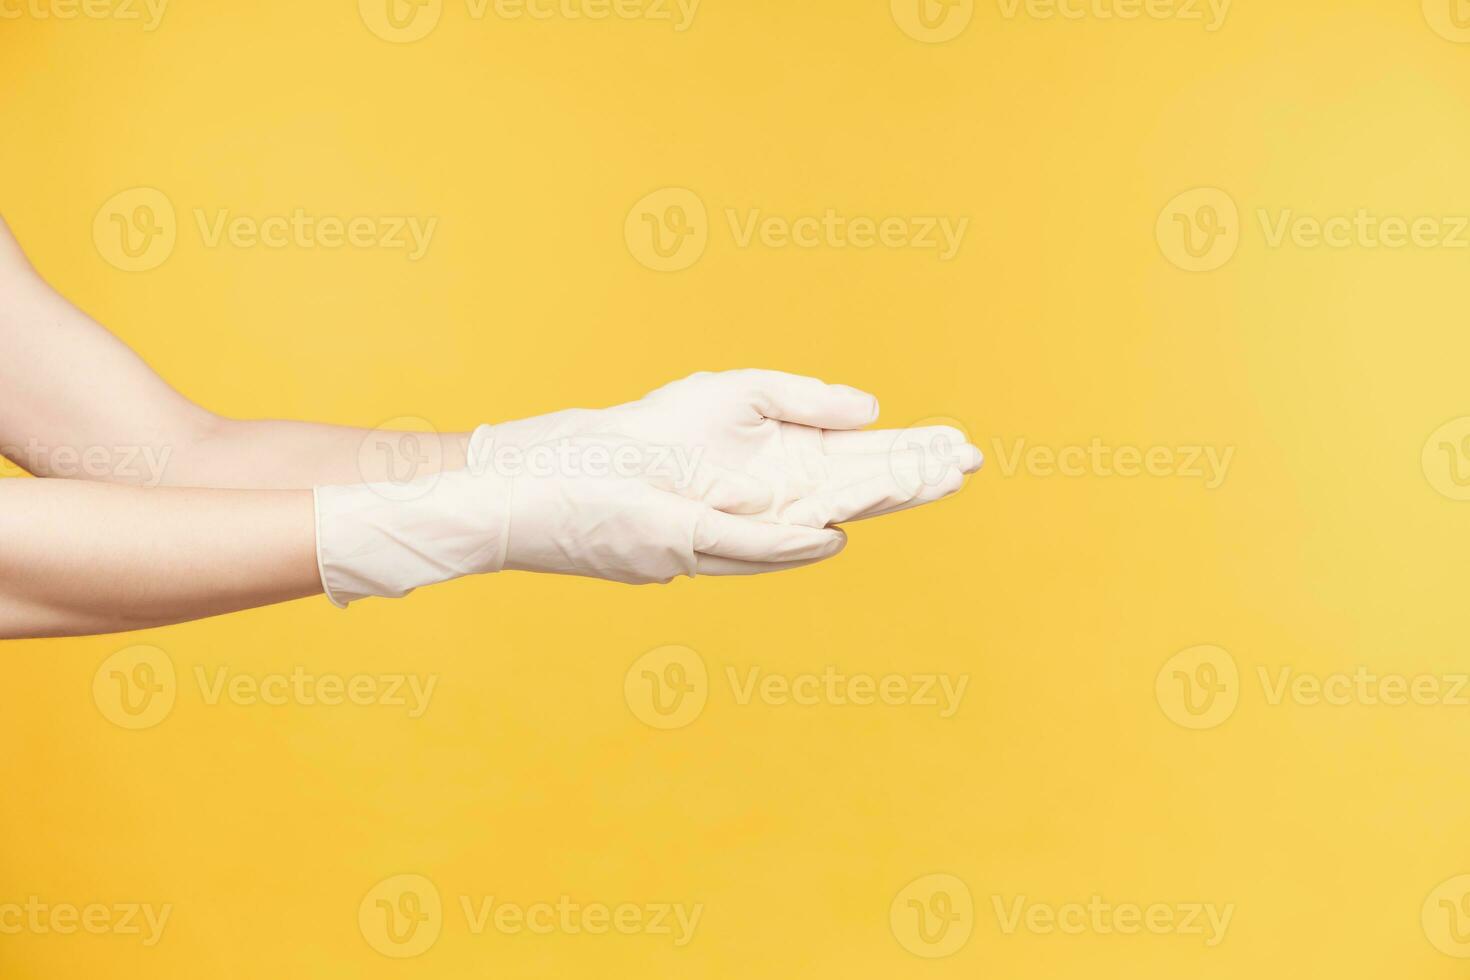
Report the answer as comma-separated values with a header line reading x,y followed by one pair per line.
x,y
733,473
588,509
795,434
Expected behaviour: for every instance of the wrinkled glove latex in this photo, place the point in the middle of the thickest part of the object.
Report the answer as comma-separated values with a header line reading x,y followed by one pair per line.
x,y
734,473
796,435
577,517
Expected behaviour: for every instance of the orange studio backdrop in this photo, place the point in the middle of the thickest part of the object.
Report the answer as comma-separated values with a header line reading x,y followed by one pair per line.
x,y
1175,687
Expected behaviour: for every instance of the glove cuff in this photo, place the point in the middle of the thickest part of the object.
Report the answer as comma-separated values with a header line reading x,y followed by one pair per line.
x,y
387,539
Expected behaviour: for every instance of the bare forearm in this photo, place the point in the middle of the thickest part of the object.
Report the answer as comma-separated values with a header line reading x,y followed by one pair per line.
x,y
77,403
287,455
90,558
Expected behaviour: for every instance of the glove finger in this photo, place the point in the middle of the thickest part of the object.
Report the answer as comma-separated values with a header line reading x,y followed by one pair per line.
x,y
849,501
941,442
721,488
715,565
728,536
794,398
860,487
950,484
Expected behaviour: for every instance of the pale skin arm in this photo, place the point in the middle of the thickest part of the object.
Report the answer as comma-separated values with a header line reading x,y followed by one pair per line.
x,y
76,402
95,555
82,558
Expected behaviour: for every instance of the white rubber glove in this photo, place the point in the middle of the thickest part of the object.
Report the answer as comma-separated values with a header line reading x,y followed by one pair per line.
x,y
572,511
795,434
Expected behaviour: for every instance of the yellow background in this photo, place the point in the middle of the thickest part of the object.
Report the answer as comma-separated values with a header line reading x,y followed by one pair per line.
x,y
1061,320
